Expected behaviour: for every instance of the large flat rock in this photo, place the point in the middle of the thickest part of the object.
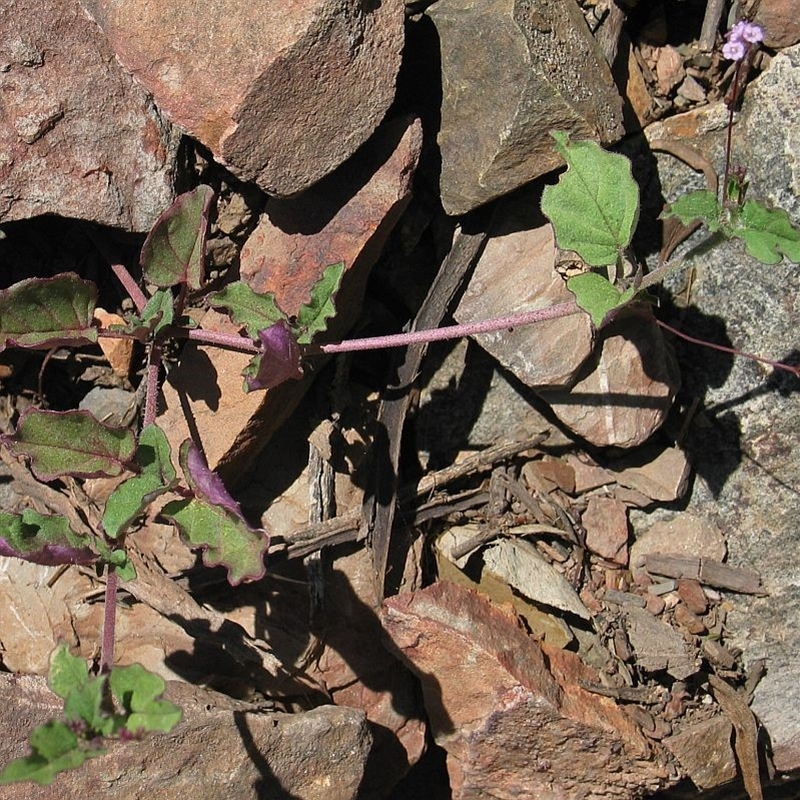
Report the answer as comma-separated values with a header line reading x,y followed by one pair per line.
x,y
280,94
78,137
743,442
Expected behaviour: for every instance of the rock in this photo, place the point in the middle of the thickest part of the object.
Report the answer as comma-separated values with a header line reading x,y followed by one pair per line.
x,y
780,22
346,217
588,476
510,75
519,564
744,443
281,97
118,352
624,392
686,534
669,69
111,405
510,726
704,751
692,594
661,475
221,745
606,524
516,273
658,646
78,137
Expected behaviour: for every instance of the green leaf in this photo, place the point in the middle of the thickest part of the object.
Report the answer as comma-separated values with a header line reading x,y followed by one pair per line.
x,y
594,206
55,749
225,538
768,233
48,312
312,318
254,311
131,498
138,691
70,443
156,315
67,672
701,204
597,296
42,539
86,705
175,249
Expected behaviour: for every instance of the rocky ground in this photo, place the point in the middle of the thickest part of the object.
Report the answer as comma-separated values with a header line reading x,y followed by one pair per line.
x,y
589,544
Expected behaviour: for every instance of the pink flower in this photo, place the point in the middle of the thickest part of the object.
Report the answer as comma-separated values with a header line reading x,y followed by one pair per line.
x,y
740,37
734,51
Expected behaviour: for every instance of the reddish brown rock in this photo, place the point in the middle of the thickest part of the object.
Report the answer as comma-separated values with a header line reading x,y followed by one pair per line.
x,y
281,95
660,474
516,273
511,727
346,217
221,745
78,137
780,21
606,523
692,594
624,393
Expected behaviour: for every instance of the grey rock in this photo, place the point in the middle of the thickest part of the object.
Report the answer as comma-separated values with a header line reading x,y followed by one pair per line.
x,y
744,442
78,137
512,71
222,748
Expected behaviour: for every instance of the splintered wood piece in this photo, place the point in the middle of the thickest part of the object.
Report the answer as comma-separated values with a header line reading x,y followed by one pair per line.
x,y
706,570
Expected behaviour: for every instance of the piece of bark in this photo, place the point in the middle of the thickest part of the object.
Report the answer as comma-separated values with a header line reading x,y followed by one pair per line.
x,y
377,515
280,97
707,571
746,727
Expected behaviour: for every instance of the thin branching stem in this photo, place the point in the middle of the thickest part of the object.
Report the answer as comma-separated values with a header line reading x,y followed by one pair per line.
x,y
703,343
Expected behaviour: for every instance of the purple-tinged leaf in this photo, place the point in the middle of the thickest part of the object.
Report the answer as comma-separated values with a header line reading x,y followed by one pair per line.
x,y
213,520
279,362
175,249
203,482
48,312
70,443
42,539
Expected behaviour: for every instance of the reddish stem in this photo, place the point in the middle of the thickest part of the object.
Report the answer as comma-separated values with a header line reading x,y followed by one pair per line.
x,y
130,286
776,364
109,620
450,331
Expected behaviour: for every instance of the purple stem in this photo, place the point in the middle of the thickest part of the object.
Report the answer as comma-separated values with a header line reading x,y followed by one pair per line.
x,y
109,620
151,376
130,286
451,331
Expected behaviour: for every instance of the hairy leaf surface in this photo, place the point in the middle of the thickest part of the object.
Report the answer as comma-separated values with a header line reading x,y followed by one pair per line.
x,y
594,206
175,249
48,312
70,443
